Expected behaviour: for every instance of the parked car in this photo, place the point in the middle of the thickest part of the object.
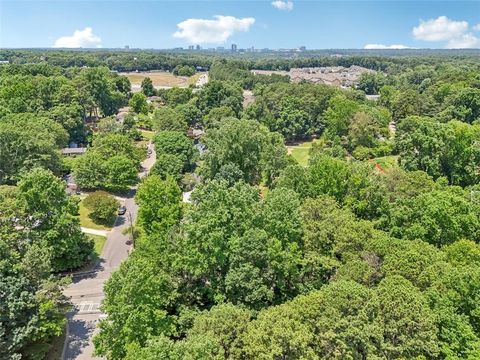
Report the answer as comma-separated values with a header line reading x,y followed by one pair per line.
x,y
122,210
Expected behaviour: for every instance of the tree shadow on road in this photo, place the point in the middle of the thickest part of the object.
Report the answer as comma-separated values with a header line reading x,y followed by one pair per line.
x,y
80,331
90,274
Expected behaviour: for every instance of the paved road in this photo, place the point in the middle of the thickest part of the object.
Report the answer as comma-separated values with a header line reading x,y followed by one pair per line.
x,y
86,290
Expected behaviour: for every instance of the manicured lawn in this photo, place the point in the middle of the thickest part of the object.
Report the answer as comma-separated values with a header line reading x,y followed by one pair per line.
x,y
301,152
301,155
86,221
99,243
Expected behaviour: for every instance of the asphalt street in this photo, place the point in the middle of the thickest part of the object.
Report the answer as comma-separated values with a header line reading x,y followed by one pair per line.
x,y
86,290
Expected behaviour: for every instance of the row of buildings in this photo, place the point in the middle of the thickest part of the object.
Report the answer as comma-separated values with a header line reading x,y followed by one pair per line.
x,y
234,48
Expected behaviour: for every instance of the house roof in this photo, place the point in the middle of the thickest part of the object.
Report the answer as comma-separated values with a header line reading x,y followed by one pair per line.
x,y
73,151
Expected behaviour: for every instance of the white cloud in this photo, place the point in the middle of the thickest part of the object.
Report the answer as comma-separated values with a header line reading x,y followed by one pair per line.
x,y
283,5
466,41
440,29
81,38
382,46
212,31
456,33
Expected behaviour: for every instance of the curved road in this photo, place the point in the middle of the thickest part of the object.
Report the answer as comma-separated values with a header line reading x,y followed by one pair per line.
x,y
86,290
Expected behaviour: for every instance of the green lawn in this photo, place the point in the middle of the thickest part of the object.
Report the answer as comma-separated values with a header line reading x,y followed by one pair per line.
x,y
301,153
99,242
147,135
386,162
86,221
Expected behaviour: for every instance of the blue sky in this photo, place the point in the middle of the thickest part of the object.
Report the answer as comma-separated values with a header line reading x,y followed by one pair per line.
x,y
288,24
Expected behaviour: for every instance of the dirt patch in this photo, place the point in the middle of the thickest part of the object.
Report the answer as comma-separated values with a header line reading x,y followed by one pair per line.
x,y
160,79
248,98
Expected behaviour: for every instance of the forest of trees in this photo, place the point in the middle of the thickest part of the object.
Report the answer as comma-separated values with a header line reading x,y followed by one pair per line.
x,y
368,250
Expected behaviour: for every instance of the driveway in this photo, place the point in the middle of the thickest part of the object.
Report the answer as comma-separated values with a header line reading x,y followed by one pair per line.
x,y
86,290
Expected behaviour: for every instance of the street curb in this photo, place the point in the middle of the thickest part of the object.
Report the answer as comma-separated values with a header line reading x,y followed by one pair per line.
x,y
67,340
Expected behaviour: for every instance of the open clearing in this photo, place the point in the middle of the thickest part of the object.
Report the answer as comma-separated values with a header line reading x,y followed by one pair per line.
x,y
385,163
301,152
160,79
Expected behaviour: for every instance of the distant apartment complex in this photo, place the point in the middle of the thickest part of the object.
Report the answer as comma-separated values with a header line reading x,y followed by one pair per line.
x,y
331,75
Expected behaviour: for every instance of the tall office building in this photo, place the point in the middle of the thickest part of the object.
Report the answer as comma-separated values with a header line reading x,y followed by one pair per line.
x,y
234,47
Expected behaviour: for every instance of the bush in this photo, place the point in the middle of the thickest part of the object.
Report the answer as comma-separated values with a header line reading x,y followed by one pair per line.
x,y
103,207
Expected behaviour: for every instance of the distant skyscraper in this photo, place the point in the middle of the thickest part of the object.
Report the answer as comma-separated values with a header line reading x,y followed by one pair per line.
x,y
127,47
302,48
197,47
191,47
234,47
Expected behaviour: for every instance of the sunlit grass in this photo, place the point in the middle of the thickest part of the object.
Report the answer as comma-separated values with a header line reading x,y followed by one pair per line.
x,y
301,152
99,243
86,221
386,163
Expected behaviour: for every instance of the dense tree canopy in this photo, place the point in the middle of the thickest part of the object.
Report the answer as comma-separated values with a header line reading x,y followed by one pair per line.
x,y
357,241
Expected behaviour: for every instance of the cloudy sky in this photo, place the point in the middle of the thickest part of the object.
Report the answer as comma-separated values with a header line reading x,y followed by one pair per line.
x,y
316,24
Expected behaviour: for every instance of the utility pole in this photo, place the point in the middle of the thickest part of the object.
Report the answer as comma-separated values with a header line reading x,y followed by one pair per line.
x,y
132,233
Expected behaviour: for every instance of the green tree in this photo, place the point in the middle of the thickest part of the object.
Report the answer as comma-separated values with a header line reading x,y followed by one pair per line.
x,y
419,142
89,171
147,87
109,145
103,207
27,142
178,144
52,219
338,115
168,165
244,143
121,173
461,154
406,320
138,103
217,94
168,119
136,309
159,202
439,217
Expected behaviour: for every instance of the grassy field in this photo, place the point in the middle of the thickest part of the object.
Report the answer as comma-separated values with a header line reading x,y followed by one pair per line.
x,y
159,78
386,163
301,152
86,221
